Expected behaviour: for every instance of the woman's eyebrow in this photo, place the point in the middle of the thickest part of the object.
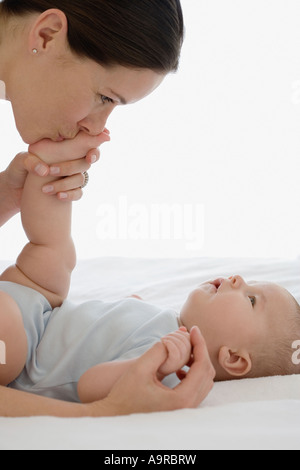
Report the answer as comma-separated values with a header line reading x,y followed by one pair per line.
x,y
120,98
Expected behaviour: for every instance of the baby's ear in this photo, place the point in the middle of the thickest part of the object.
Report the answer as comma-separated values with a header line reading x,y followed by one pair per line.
x,y
235,363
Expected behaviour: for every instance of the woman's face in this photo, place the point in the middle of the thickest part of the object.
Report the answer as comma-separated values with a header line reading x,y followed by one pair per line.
x,y
57,98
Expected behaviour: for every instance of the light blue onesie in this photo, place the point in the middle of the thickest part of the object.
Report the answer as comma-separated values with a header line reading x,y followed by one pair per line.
x,y
65,342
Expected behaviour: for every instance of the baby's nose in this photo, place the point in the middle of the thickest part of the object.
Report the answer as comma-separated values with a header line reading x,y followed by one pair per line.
x,y
236,281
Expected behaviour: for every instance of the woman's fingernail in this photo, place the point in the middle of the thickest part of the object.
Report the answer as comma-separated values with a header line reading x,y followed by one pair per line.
x,y
54,170
93,158
48,189
63,196
41,169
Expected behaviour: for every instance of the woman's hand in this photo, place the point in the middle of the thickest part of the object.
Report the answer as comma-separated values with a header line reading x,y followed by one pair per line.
x,y
71,158
69,174
140,391
12,181
67,160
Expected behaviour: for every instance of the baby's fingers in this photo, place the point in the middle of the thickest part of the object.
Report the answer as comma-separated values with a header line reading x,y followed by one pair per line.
x,y
180,337
200,379
178,346
174,348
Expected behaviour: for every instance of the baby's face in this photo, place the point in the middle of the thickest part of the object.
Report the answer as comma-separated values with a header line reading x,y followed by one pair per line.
x,y
236,314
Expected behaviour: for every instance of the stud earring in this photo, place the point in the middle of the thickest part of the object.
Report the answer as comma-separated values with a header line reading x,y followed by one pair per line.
x,y
35,51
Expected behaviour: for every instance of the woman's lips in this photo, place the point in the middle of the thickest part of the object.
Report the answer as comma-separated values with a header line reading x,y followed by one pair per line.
x,y
60,138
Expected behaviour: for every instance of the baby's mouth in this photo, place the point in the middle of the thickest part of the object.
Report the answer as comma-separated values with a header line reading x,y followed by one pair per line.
x,y
217,283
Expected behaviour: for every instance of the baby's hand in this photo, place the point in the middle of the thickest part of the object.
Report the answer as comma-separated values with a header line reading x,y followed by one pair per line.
x,y
179,351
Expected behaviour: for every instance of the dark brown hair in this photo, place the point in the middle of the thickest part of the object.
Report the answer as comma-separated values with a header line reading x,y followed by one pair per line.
x,y
133,33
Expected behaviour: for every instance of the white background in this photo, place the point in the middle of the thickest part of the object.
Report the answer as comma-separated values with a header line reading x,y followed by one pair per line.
x,y
216,149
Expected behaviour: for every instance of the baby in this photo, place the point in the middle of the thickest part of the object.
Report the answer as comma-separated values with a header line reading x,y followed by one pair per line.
x,y
77,352
249,329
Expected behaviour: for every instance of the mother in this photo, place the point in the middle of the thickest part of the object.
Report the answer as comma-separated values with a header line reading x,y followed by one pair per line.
x,y
66,65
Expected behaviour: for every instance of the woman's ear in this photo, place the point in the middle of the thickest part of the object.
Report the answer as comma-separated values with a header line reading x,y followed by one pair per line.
x,y
235,363
50,27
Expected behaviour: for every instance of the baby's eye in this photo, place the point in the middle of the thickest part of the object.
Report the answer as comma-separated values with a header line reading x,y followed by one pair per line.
x,y
252,300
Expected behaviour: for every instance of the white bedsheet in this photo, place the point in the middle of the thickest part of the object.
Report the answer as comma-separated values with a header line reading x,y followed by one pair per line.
x,y
247,414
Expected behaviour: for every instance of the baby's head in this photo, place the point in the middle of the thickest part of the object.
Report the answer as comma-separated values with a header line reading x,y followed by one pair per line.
x,y
249,328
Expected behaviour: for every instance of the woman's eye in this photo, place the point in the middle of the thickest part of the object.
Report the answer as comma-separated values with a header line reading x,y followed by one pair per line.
x,y
106,99
252,300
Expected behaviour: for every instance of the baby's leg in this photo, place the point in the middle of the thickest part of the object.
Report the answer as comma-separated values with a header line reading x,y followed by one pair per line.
x,y
97,382
56,152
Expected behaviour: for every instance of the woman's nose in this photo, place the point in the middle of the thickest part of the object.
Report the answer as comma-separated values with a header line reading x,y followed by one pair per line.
x,y
95,123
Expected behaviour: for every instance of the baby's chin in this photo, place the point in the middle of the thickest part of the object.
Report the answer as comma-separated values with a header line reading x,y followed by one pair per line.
x,y
188,320
180,322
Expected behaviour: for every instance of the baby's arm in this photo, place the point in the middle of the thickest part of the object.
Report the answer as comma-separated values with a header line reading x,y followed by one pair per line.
x,y
98,381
